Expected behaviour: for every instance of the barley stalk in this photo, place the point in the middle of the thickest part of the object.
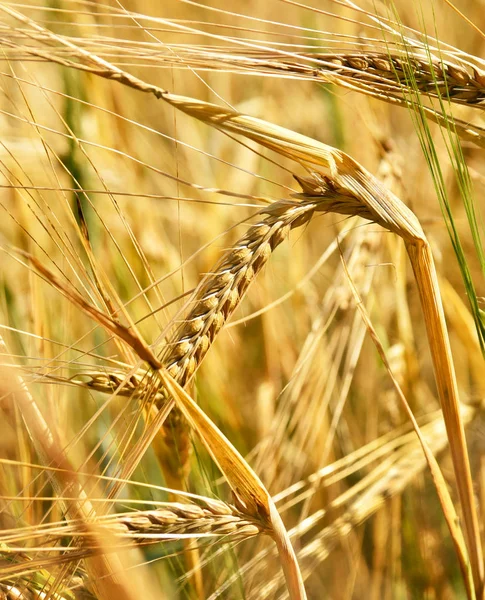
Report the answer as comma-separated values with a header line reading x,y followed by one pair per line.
x,y
169,521
383,75
213,302
185,519
386,72
435,74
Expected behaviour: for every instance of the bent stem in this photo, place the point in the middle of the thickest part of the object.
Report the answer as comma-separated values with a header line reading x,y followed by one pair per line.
x,y
425,273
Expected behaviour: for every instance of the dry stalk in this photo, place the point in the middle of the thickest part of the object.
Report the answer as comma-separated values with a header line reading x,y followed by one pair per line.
x,y
389,76
213,302
385,72
177,519
245,484
460,318
169,521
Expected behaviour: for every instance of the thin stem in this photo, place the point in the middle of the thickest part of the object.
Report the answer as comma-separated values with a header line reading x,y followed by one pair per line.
x,y
425,272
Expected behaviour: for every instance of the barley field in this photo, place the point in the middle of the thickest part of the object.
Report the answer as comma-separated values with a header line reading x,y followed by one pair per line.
x,y
242,299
